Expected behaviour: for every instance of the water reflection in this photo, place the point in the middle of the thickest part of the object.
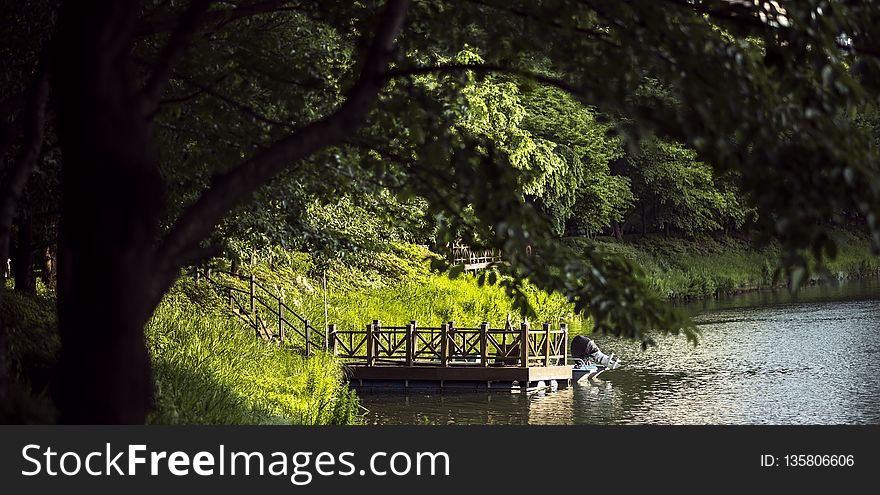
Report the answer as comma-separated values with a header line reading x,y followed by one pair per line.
x,y
810,360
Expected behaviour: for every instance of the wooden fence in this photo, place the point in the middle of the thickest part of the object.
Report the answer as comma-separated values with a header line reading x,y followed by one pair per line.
x,y
473,259
266,312
449,345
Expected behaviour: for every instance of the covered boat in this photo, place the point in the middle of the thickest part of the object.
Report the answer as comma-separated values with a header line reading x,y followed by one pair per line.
x,y
589,361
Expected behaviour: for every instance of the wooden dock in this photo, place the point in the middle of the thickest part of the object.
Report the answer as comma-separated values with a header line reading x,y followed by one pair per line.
x,y
449,357
407,357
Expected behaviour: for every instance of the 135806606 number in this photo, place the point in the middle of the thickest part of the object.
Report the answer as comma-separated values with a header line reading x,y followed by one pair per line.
x,y
819,460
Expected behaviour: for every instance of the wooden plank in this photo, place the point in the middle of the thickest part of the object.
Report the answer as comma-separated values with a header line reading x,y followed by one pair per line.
x,y
537,373
438,373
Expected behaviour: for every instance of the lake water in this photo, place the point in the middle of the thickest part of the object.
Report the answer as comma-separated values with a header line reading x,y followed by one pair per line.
x,y
764,358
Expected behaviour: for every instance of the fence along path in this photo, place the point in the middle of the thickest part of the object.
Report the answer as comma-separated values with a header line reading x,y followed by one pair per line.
x,y
411,345
265,311
449,345
473,259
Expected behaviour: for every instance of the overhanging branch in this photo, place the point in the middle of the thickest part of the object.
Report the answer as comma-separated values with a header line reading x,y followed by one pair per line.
x,y
172,51
227,190
218,17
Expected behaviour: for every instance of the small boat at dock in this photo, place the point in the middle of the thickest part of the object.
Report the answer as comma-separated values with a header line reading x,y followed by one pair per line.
x,y
584,370
589,361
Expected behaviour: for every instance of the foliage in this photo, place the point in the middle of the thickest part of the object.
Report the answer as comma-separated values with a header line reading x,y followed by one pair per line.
x,y
32,348
712,267
209,369
396,286
778,116
682,194
555,142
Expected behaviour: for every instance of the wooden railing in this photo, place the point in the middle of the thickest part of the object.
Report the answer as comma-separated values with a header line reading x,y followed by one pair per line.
x,y
448,345
473,259
265,311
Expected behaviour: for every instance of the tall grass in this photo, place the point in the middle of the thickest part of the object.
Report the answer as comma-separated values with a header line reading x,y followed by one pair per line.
x,y
395,287
210,369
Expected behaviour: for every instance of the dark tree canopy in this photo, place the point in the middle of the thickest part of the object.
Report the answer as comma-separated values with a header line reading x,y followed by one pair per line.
x,y
185,129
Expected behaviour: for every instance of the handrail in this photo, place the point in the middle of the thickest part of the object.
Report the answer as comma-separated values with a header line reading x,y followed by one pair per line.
x,y
449,345
283,317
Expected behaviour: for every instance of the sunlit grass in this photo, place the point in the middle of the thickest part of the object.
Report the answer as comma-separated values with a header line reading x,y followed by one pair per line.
x,y
210,369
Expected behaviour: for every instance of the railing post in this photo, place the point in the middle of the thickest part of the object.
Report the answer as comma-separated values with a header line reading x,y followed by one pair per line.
x,y
415,339
484,341
410,329
331,336
231,301
444,346
377,335
308,338
451,333
564,328
369,344
546,344
253,298
524,344
281,317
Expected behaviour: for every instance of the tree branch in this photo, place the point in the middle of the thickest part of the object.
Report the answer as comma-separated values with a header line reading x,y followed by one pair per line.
x,y
218,17
172,51
554,23
234,103
227,190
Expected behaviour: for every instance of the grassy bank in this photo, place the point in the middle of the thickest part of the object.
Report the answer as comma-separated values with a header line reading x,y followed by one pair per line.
x,y
207,369
711,267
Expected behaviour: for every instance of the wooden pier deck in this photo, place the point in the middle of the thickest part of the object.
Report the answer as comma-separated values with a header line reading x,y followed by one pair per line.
x,y
450,357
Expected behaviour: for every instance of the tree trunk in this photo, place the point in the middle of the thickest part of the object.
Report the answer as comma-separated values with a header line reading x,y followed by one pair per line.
x,y
644,221
47,267
618,231
14,180
107,282
111,275
23,257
